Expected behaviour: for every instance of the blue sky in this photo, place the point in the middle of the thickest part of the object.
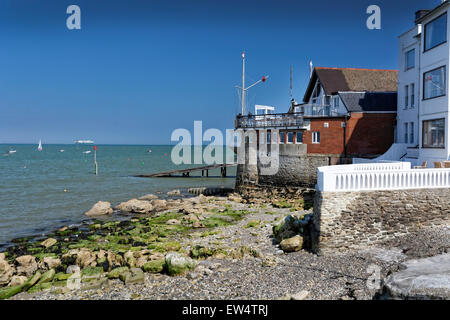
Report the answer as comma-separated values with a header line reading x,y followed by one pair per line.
x,y
137,69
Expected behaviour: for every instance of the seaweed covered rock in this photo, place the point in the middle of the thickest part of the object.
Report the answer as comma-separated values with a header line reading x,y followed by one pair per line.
x,y
177,263
6,270
101,208
154,266
292,226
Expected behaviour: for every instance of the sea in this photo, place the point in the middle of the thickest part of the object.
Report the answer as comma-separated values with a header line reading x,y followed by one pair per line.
x,y
44,190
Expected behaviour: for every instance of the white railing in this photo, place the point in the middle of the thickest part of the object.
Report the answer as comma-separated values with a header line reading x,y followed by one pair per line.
x,y
395,153
339,181
387,166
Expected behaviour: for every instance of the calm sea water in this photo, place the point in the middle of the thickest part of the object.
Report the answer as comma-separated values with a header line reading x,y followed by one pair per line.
x,y
32,183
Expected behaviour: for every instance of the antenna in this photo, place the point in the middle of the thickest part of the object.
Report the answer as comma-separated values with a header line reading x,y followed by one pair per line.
x,y
290,87
310,68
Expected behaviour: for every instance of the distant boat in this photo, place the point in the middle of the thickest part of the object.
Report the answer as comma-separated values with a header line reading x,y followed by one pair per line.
x,y
40,145
84,141
149,151
62,150
11,151
87,152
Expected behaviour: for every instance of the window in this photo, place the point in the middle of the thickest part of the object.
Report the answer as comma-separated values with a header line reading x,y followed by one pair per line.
x,y
290,137
434,83
406,96
413,96
269,137
436,32
410,59
299,137
406,132
336,102
316,137
411,133
433,134
282,137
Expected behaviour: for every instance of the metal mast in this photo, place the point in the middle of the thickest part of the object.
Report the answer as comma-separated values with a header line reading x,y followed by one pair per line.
x,y
243,83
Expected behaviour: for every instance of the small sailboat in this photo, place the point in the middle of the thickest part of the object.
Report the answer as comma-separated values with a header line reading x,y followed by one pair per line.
x,y
40,145
87,152
10,152
62,150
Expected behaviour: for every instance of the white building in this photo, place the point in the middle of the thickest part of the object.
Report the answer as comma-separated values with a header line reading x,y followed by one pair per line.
x,y
423,102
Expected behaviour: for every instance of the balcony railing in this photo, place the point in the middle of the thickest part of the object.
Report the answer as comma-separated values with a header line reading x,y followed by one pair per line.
x,y
270,120
318,110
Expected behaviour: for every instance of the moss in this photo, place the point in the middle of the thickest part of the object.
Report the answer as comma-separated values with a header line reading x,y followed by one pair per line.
x,y
115,273
8,292
165,246
92,271
40,287
61,276
281,204
210,233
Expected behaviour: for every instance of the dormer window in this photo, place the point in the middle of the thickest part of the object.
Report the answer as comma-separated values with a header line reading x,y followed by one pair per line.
x,y
436,32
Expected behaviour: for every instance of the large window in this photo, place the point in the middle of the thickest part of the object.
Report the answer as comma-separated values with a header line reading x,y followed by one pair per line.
x,y
290,137
413,96
434,83
299,137
406,96
433,134
436,32
410,59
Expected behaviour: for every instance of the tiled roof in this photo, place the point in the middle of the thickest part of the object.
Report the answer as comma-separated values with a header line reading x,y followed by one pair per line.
x,y
369,101
334,80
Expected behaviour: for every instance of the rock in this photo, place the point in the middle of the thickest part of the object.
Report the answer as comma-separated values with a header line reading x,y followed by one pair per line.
x,y
149,197
134,275
302,295
291,226
292,244
47,276
114,260
136,206
173,222
101,208
177,263
86,258
72,269
48,242
159,205
427,278
27,265
198,224
6,271
235,198
48,263
95,284
154,266
17,281
192,275
115,273
174,193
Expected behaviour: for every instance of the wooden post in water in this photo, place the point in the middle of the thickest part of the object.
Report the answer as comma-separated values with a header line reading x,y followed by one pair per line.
x,y
95,160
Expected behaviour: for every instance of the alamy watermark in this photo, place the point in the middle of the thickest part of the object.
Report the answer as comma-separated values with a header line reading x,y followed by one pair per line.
x,y
249,146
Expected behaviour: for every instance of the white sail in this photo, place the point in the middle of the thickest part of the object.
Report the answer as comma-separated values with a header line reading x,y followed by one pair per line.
x,y
40,145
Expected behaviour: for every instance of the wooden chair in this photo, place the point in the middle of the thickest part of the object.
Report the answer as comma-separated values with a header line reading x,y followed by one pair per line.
x,y
423,166
438,165
446,164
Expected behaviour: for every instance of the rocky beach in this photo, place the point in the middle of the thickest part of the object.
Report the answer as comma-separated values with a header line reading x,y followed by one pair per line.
x,y
251,245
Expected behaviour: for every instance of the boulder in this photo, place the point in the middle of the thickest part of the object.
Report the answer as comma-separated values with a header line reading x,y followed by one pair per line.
x,y
8,292
291,226
27,265
302,295
159,205
115,273
174,193
154,266
32,281
421,279
48,263
149,197
136,206
134,275
86,258
101,208
6,270
17,281
177,263
114,260
173,222
47,276
48,242
292,244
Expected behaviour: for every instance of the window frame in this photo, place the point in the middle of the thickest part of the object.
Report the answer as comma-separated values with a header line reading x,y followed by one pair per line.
x,y
406,102
423,126
406,59
411,133
412,103
445,83
296,137
316,134
425,34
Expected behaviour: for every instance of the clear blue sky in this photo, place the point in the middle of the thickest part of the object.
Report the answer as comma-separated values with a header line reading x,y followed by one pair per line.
x,y
137,69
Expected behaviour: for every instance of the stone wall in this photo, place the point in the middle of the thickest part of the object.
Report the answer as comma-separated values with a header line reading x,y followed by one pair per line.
x,y
358,219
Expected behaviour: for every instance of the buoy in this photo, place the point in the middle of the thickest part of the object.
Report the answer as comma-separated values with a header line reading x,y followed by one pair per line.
x,y
65,190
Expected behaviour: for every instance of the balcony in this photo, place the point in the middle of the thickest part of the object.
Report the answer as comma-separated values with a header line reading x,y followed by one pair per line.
x,y
281,120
